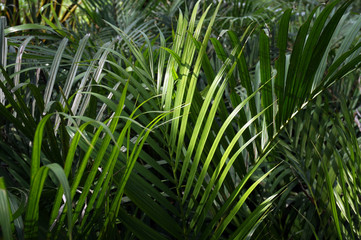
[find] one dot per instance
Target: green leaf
(265, 68)
(5, 212)
(26, 27)
(53, 72)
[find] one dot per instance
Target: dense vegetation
(233, 119)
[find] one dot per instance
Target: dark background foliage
(157, 119)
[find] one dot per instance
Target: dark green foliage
(180, 120)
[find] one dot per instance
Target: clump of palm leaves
(174, 135)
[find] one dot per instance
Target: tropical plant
(154, 137)
(51, 12)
